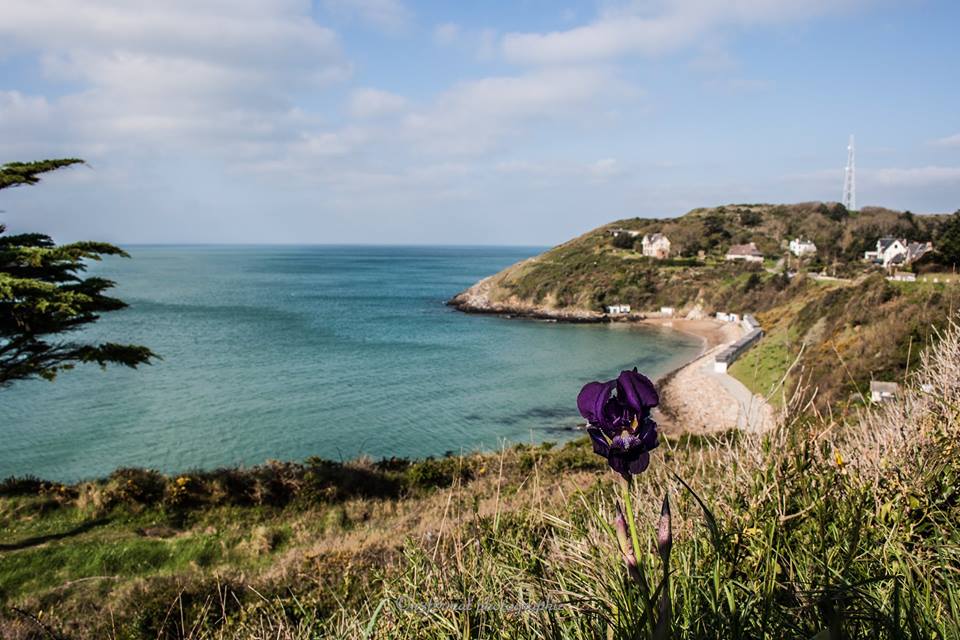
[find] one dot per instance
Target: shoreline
(694, 399)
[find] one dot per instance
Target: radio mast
(850, 179)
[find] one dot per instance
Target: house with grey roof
(744, 252)
(892, 251)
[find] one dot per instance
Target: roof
(748, 249)
(885, 242)
(917, 249)
(884, 387)
(655, 237)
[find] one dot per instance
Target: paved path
(697, 399)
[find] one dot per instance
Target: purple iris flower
(621, 428)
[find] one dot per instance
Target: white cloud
(474, 117)
(605, 168)
(390, 16)
(651, 28)
(374, 103)
(913, 177)
(172, 75)
(552, 172)
(949, 141)
(482, 44)
(446, 34)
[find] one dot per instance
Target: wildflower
(621, 428)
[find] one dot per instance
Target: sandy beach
(695, 398)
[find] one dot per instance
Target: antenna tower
(850, 179)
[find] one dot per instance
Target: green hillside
(846, 331)
(591, 271)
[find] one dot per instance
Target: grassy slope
(847, 527)
(836, 338)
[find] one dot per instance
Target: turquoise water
(288, 352)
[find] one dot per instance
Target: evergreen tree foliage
(623, 241)
(949, 241)
(44, 296)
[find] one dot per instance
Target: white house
(800, 247)
(889, 251)
(629, 232)
(656, 245)
(896, 251)
(745, 252)
(618, 309)
(883, 391)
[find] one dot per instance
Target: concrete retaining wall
(729, 355)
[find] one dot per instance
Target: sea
(287, 352)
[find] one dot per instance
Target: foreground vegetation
(821, 529)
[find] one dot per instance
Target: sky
(498, 122)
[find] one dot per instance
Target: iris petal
(619, 465)
(637, 391)
(592, 400)
(648, 434)
(639, 464)
(600, 446)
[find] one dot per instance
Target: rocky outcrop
(477, 299)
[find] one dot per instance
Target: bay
(285, 352)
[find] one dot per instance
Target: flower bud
(626, 548)
(665, 531)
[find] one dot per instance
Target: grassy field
(820, 529)
(764, 367)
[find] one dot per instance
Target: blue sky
(523, 122)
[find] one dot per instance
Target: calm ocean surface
(288, 352)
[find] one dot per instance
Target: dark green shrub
(623, 241)
(232, 486)
(134, 486)
(22, 486)
(183, 492)
(273, 487)
(575, 456)
(432, 473)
